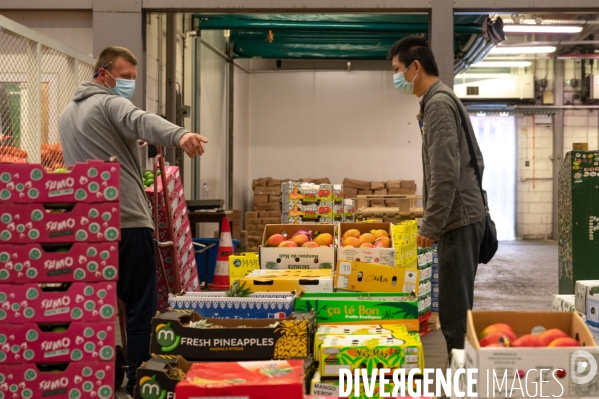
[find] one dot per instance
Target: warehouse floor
(522, 276)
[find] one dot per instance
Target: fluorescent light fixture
(483, 75)
(501, 64)
(529, 28)
(523, 50)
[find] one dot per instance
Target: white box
(584, 288)
(564, 303)
(458, 361)
(383, 256)
(592, 307)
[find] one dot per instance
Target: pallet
(423, 322)
(433, 322)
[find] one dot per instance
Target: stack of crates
(182, 237)
(59, 236)
(425, 263)
(435, 284)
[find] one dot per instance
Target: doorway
(496, 137)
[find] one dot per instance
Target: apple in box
(58, 380)
(251, 380)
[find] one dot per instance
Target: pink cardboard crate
(78, 380)
(81, 341)
(79, 302)
(28, 263)
(93, 181)
(32, 223)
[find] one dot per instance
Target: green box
(361, 308)
(578, 212)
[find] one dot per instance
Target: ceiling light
(523, 50)
(501, 64)
(529, 28)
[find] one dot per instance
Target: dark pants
(137, 288)
(457, 251)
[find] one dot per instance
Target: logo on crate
(166, 337)
(150, 389)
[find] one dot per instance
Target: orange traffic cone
(225, 249)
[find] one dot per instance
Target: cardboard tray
(385, 256)
(265, 305)
(372, 277)
(256, 342)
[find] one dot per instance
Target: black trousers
(457, 251)
(137, 288)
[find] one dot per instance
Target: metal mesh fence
(37, 81)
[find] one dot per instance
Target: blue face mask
(124, 87)
(401, 84)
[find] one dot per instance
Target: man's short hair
(411, 48)
(110, 54)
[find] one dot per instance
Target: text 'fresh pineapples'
(196, 338)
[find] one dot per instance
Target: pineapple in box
(293, 342)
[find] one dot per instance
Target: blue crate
(212, 254)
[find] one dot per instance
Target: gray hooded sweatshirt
(99, 124)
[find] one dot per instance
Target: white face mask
(401, 84)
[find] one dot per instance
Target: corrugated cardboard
(392, 184)
(380, 191)
(315, 280)
(357, 184)
(402, 191)
(408, 184)
(275, 214)
(274, 198)
(365, 192)
(350, 192)
(322, 180)
(271, 206)
(251, 215)
(274, 183)
(377, 185)
(371, 277)
(264, 214)
(385, 256)
(260, 199)
(276, 190)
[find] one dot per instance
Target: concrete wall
(333, 124)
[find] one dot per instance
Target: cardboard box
(264, 305)
(274, 198)
(296, 257)
(274, 183)
(561, 303)
(392, 184)
(271, 206)
(364, 329)
(314, 280)
(349, 308)
(78, 301)
(153, 380)
(408, 184)
(350, 192)
(248, 380)
(77, 341)
(69, 381)
(381, 191)
(385, 256)
(322, 180)
(365, 192)
(29, 263)
(275, 214)
(261, 182)
(251, 215)
(516, 361)
(93, 181)
(267, 190)
(457, 361)
(260, 199)
(584, 289)
(371, 277)
(357, 184)
(321, 386)
(242, 264)
(32, 223)
(592, 314)
(239, 339)
(350, 352)
(401, 191)
(377, 185)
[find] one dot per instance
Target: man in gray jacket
(100, 123)
(454, 212)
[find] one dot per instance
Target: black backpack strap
(473, 161)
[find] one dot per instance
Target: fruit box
(31, 223)
(585, 289)
(153, 380)
(371, 277)
(77, 380)
(296, 257)
(247, 380)
(563, 303)
(240, 265)
(320, 386)
(238, 339)
(364, 329)
(69, 302)
(263, 305)
(357, 308)
(350, 352)
(384, 256)
(315, 280)
(93, 181)
(26, 263)
(78, 341)
(518, 362)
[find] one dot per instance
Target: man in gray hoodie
(454, 211)
(100, 123)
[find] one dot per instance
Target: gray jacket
(98, 124)
(451, 194)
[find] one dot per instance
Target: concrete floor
(522, 276)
